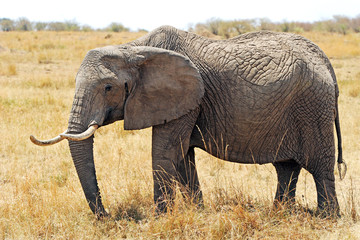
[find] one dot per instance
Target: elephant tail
(338, 133)
(337, 124)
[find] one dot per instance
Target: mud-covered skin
(258, 98)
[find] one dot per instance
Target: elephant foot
(198, 200)
(163, 205)
(99, 211)
(200, 204)
(328, 209)
(284, 203)
(102, 215)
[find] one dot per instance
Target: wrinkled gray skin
(257, 98)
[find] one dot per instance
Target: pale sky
(149, 14)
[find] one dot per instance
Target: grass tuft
(11, 70)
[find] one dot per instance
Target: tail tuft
(342, 173)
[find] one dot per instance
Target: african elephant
(261, 97)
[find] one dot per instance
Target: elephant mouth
(108, 116)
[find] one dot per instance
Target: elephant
(261, 97)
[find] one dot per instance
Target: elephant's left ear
(169, 86)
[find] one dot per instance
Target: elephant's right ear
(169, 86)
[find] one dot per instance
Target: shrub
(23, 24)
(117, 27)
(7, 25)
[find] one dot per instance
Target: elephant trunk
(83, 158)
(81, 148)
(81, 141)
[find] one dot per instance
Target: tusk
(82, 136)
(47, 142)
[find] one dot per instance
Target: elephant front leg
(170, 145)
(168, 173)
(189, 180)
(164, 175)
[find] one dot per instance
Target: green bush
(117, 27)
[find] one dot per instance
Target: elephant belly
(249, 143)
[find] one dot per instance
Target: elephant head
(144, 86)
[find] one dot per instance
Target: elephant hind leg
(326, 195)
(188, 178)
(323, 174)
(287, 173)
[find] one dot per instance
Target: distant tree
(202, 30)
(71, 25)
(117, 27)
(7, 25)
(286, 26)
(355, 24)
(213, 25)
(319, 26)
(23, 24)
(57, 26)
(342, 24)
(339, 24)
(86, 28)
(225, 29)
(40, 26)
(142, 30)
(243, 26)
(230, 29)
(266, 24)
(305, 26)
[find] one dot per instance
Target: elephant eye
(108, 87)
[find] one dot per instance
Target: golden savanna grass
(40, 194)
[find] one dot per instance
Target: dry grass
(40, 193)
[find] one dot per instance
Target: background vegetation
(23, 24)
(227, 29)
(217, 27)
(41, 197)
